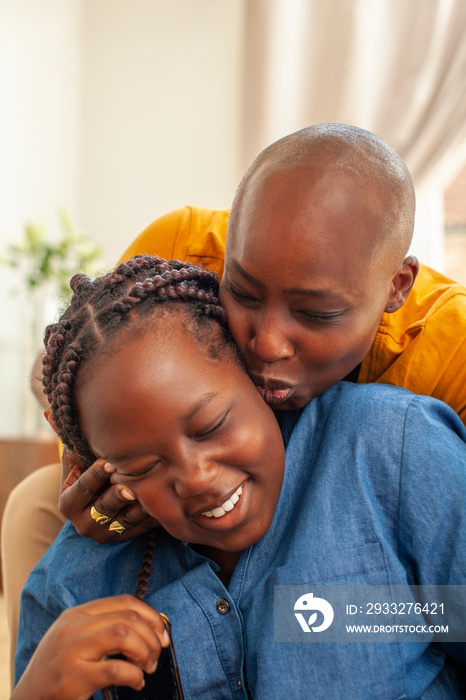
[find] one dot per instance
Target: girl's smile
(229, 515)
(226, 507)
(188, 432)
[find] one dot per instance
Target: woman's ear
(48, 418)
(402, 284)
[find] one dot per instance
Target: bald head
(314, 256)
(371, 169)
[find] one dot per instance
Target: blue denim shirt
(374, 493)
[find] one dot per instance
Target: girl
(141, 372)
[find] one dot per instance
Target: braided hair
(102, 308)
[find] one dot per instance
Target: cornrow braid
(102, 308)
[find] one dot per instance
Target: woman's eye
(240, 296)
(320, 318)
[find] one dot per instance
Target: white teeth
(225, 507)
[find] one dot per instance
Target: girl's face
(189, 434)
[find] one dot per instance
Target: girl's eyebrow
(203, 401)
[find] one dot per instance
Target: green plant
(41, 261)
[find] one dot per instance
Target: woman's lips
(274, 395)
(272, 389)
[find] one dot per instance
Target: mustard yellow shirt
(190, 234)
(422, 346)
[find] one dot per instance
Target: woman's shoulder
(376, 402)
(385, 420)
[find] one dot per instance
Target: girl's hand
(83, 489)
(70, 663)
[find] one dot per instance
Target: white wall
(161, 111)
(40, 93)
(40, 48)
(428, 243)
(119, 110)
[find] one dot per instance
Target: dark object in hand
(163, 684)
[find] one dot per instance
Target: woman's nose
(270, 340)
(194, 478)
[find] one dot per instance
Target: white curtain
(395, 67)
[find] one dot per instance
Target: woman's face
(305, 284)
(188, 433)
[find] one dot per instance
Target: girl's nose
(194, 478)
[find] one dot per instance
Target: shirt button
(240, 684)
(223, 606)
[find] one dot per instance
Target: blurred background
(114, 112)
(120, 111)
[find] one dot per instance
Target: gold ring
(116, 527)
(99, 518)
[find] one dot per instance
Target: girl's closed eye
(138, 472)
(213, 429)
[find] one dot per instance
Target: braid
(172, 286)
(146, 567)
(102, 308)
(111, 692)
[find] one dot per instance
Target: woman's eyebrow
(293, 291)
(235, 264)
(316, 293)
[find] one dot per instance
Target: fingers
(124, 603)
(126, 523)
(122, 625)
(81, 639)
(119, 503)
(116, 503)
(84, 490)
(116, 672)
(114, 499)
(123, 636)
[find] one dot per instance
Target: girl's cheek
(257, 441)
(152, 500)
